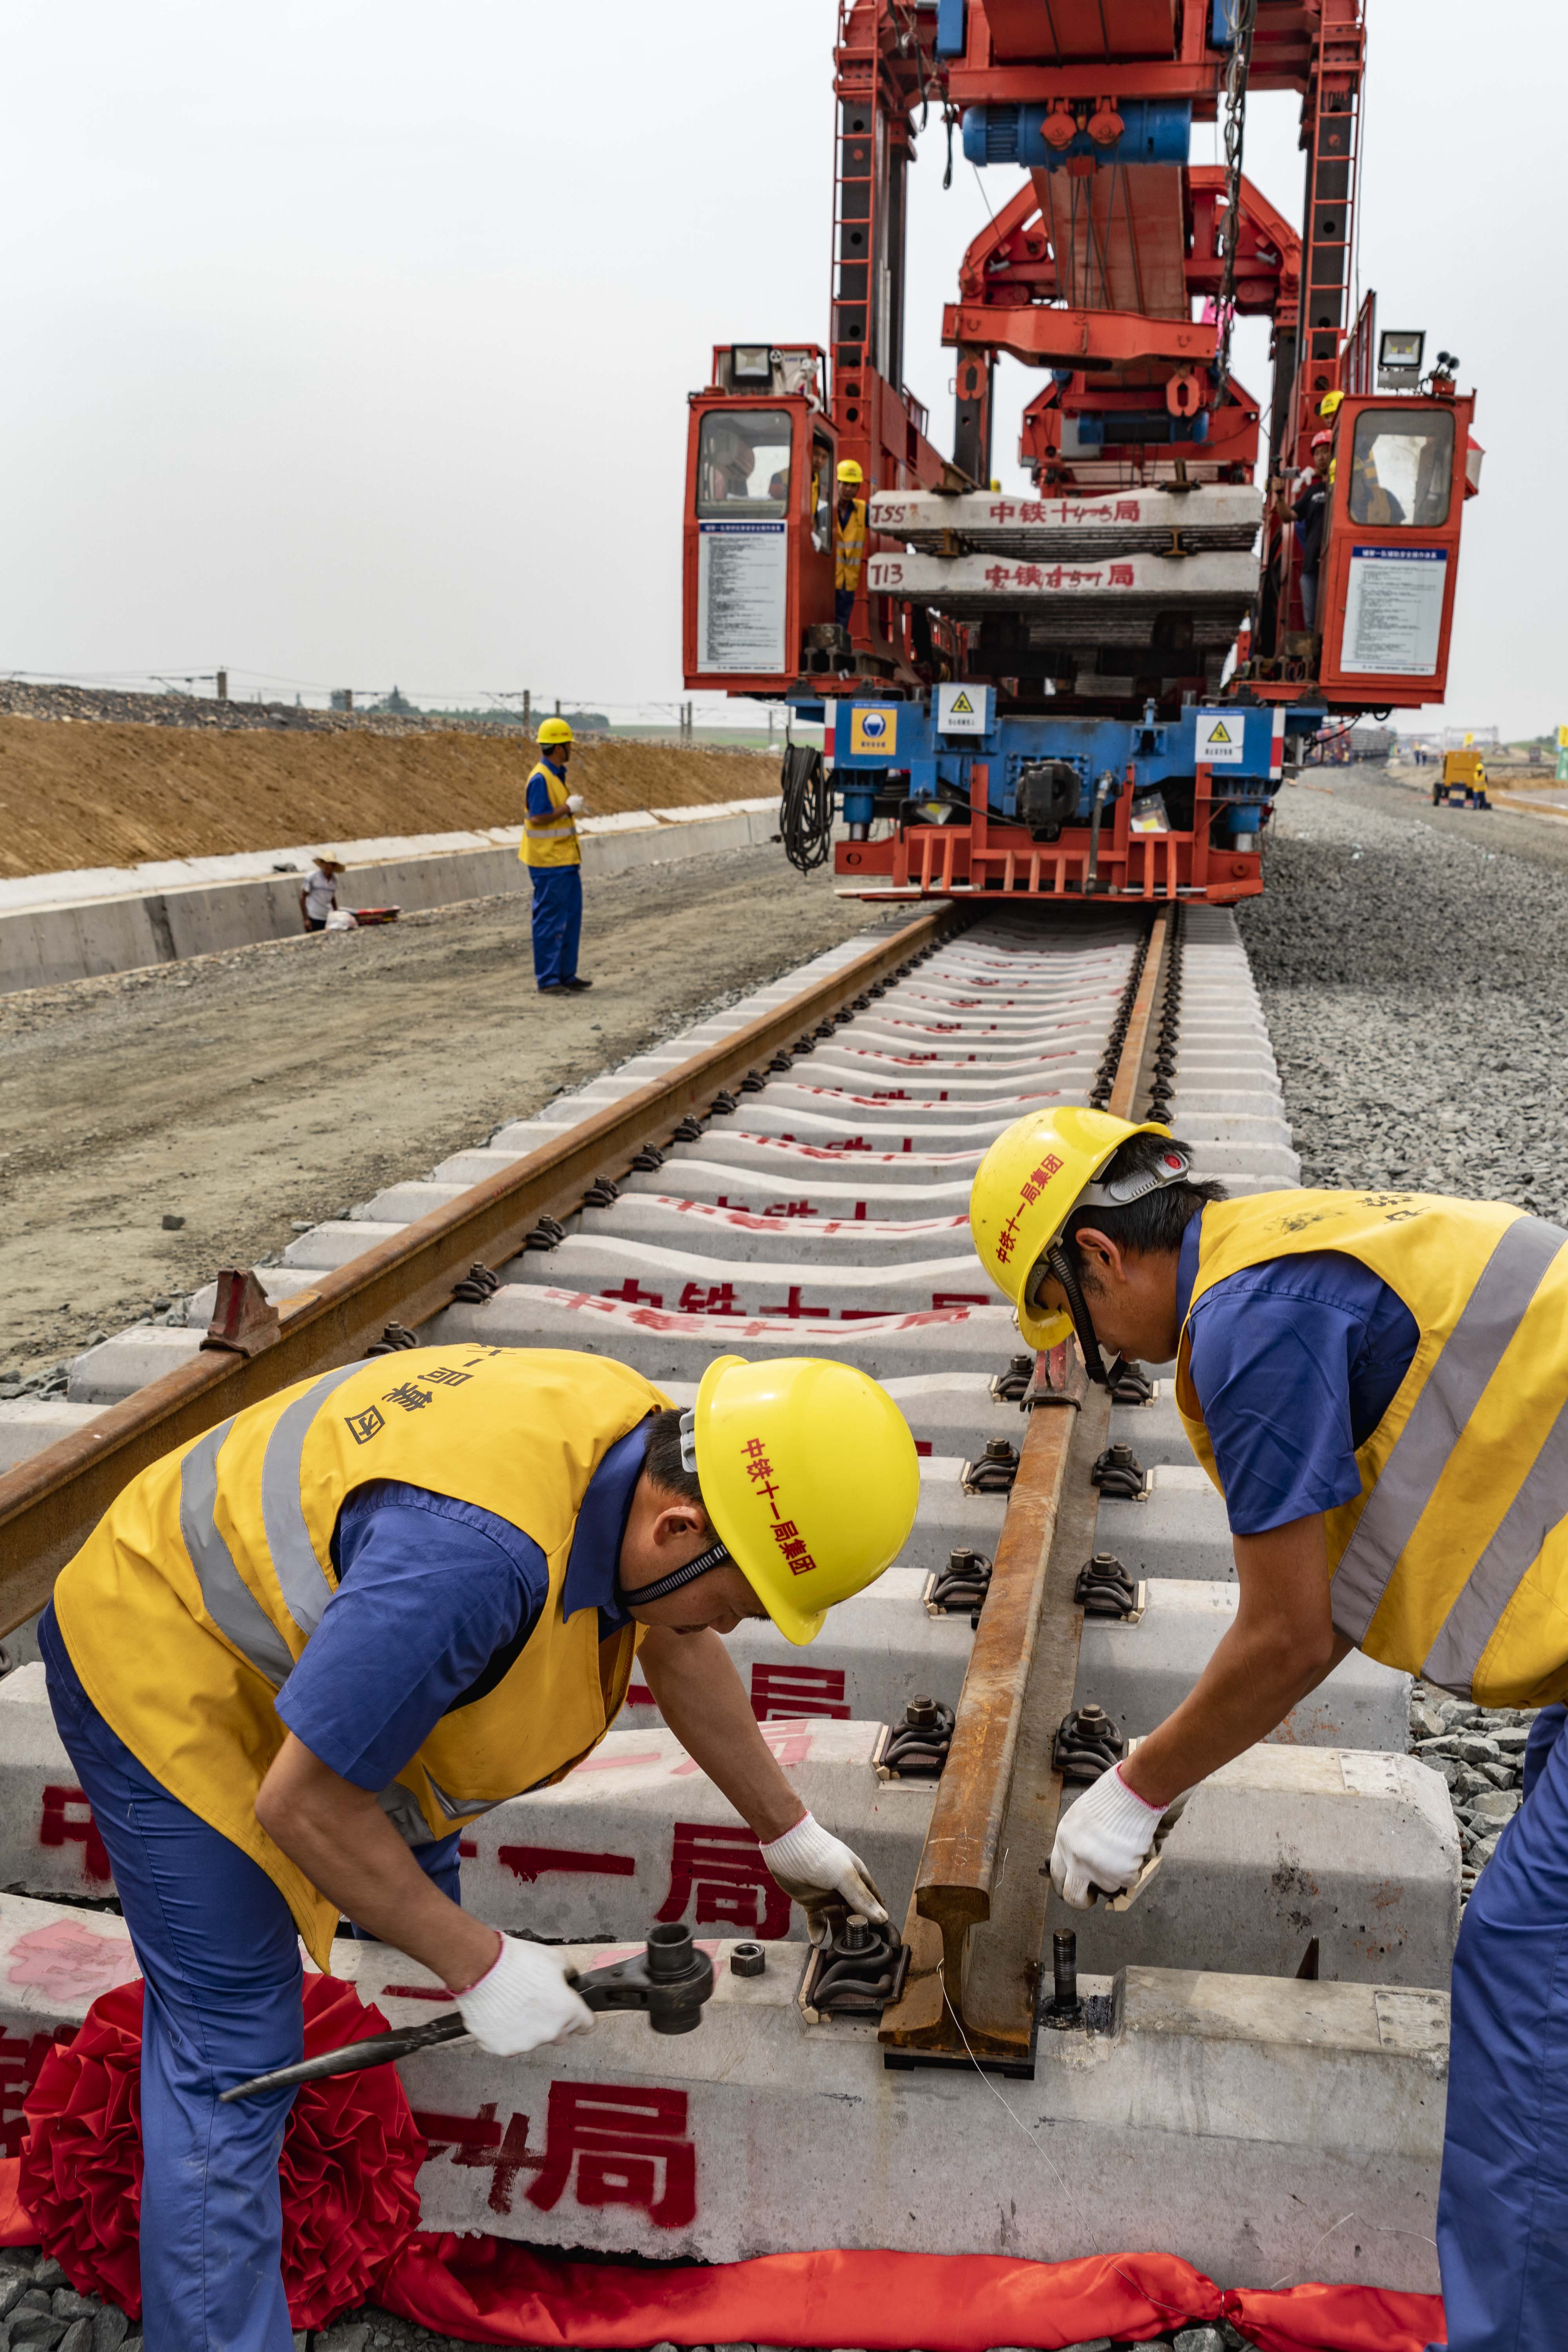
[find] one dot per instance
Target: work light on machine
(750, 364)
(1399, 356)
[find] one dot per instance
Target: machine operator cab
(1401, 470)
(758, 519)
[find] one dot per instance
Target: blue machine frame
(880, 742)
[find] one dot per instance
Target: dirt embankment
(84, 794)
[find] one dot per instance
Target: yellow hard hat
(809, 1473)
(1331, 403)
(1035, 1175)
(848, 471)
(555, 731)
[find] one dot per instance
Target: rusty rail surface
(49, 1504)
(970, 1993)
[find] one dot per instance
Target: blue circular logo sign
(873, 725)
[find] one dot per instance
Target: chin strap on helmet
(714, 1556)
(1066, 1274)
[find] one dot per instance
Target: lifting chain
(1243, 22)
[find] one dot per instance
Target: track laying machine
(1093, 690)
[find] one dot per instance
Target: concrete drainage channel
(1257, 2071)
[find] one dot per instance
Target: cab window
(1402, 468)
(743, 463)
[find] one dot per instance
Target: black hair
(1151, 1226)
(661, 1458)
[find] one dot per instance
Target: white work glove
(522, 2000)
(816, 1869)
(575, 802)
(1102, 1840)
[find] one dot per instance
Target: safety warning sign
(874, 734)
(1220, 738)
(963, 710)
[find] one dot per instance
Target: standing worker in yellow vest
(1377, 1383)
(849, 541)
(548, 849)
(297, 1657)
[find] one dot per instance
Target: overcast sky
(350, 343)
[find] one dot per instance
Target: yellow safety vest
(1452, 1561)
(191, 1603)
(549, 840)
(848, 546)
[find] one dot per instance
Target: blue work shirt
(538, 791)
(435, 1599)
(1295, 1363)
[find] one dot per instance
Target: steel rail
(49, 1504)
(968, 1993)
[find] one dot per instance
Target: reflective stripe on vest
(849, 545)
(228, 1599)
(225, 1596)
(1452, 1561)
(1471, 1355)
(306, 1590)
(1540, 1504)
(560, 825)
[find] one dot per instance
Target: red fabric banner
(1336, 2319)
(492, 2291)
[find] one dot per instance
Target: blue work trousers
(557, 922)
(1502, 2210)
(219, 1951)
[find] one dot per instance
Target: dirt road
(244, 1090)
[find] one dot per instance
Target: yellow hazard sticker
(1219, 739)
(874, 734)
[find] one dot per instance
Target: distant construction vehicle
(1092, 691)
(1463, 783)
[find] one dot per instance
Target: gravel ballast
(1414, 977)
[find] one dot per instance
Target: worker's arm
(1280, 1647)
(346, 1846)
(702, 1698)
(704, 1702)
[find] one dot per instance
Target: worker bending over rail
(549, 848)
(298, 1657)
(1377, 1383)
